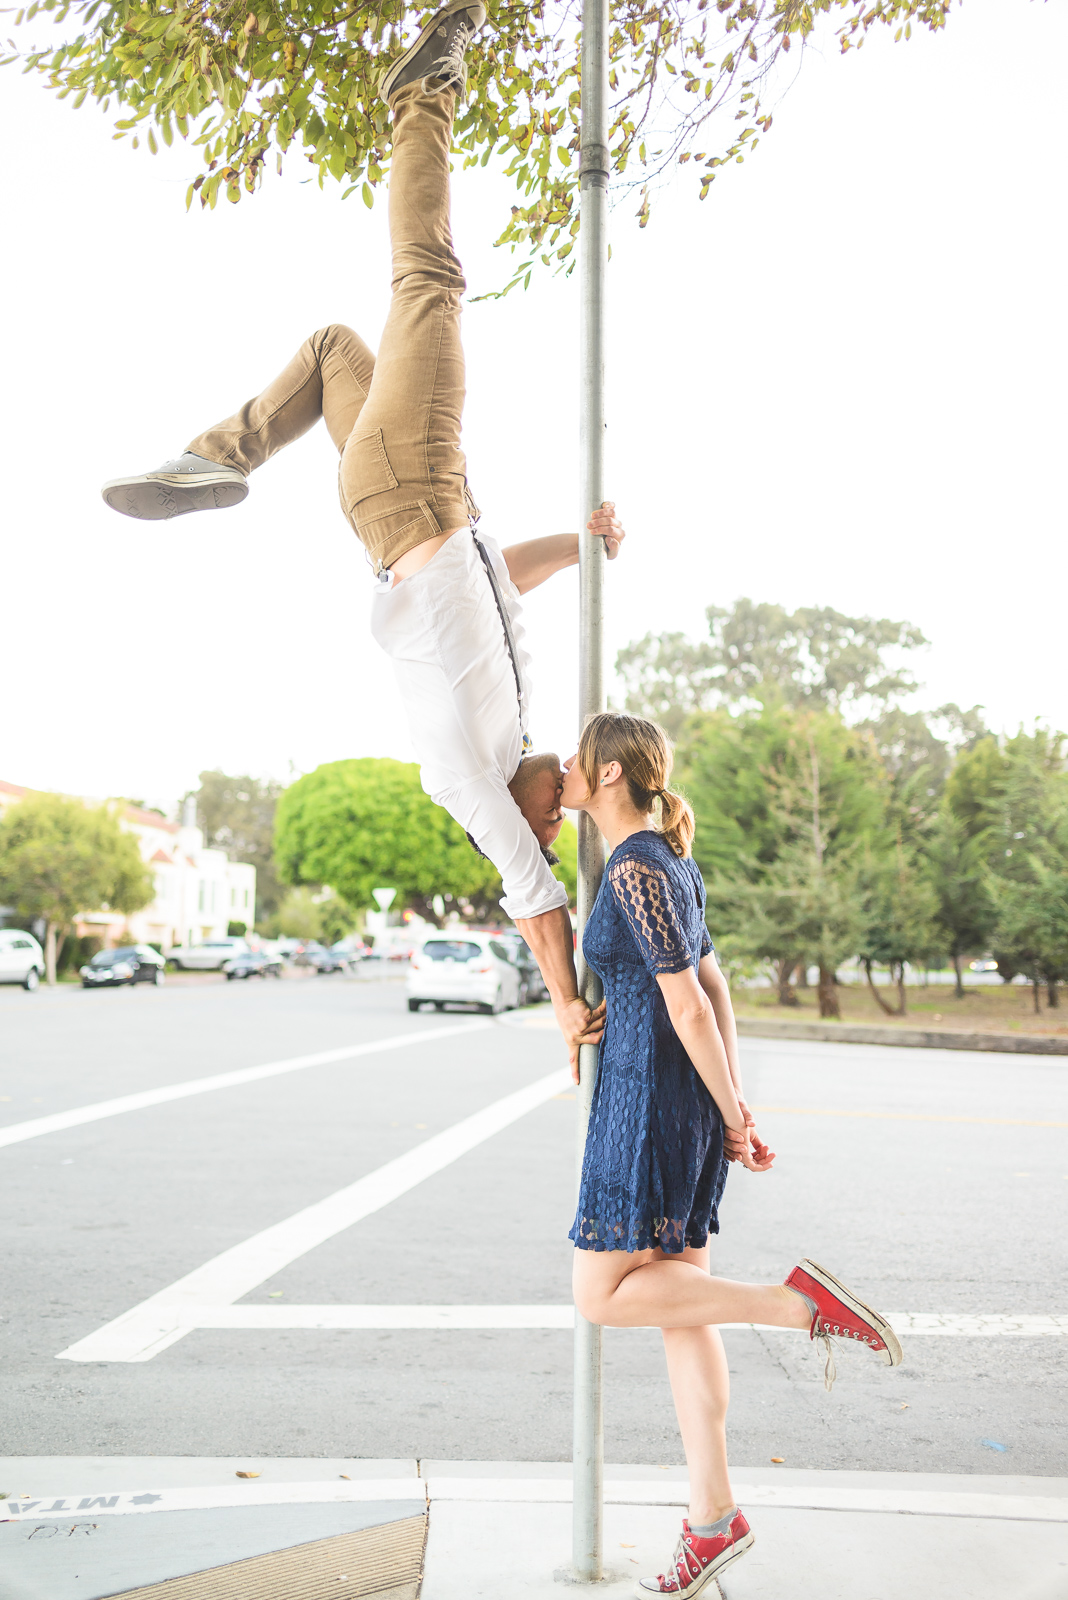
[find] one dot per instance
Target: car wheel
(32, 980)
(230, 976)
(498, 1004)
(158, 978)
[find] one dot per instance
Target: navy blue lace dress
(653, 1171)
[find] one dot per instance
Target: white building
(199, 892)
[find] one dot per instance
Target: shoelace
(451, 67)
(681, 1557)
(821, 1332)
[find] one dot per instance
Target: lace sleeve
(643, 895)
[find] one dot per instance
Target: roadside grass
(1005, 1008)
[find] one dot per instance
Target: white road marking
(675, 1492)
(249, 1318)
(207, 1497)
(141, 1333)
(18, 1131)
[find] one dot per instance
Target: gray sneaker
(187, 484)
(437, 56)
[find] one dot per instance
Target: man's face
(541, 805)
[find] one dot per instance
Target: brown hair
(643, 751)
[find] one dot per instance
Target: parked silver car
(472, 967)
(210, 956)
(21, 958)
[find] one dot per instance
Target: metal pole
(588, 1450)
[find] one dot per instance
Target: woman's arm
(715, 986)
(693, 1017)
(535, 560)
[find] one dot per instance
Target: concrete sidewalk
(183, 1528)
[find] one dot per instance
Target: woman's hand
(747, 1147)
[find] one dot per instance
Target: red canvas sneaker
(840, 1313)
(698, 1561)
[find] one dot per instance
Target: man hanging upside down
(446, 603)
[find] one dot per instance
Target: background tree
(1025, 808)
(956, 863)
(357, 825)
(237, 816)
(900, 911)
(783, 881)
(1032, 924)
(59, 857)
(244, 79)
(758, 654)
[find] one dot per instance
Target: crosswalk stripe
(141, 1333)
(33, 1129)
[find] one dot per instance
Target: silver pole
(588, 1450)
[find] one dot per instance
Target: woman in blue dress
(668, 1117)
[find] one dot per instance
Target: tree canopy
(237, 816)
(364, 824)
(248, 80)
(814, 656)
(59, 857)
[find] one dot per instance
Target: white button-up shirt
(443, 632)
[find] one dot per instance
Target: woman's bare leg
(700, 1386)
(646, 1289)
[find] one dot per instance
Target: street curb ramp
(384, 1561)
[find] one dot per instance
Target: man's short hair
(528, 769)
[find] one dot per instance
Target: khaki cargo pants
(395, 419)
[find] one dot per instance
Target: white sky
(839, 381)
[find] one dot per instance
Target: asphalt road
(918, 1214)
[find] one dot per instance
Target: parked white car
(209, 956)
(21, 958)
(464, 969)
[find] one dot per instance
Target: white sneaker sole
(715, 1570)
(893, 1354)
(478, 18)
(158, 497)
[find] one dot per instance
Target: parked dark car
(326, 960)
(132, 963)
(254, 964)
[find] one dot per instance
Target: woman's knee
(591, 1302)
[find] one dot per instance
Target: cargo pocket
(365, 469)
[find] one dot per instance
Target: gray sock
(710, 1530)
(813, 1308)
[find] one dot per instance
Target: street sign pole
(588, 1450)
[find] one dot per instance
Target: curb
(1032, 1044)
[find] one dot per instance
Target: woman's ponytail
(676, 822)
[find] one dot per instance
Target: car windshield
(108, 958)
(451, 950)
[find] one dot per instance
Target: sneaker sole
(409, 55)
(158, 499)
(717, 1568)
(879, 1323)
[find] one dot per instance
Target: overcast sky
(838, 381)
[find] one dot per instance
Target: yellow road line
(908, 1116)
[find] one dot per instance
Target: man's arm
(550, 939)
(530, 563)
